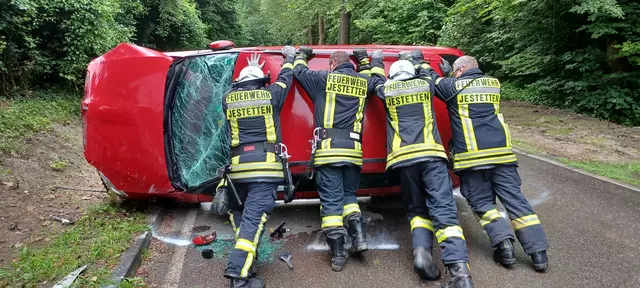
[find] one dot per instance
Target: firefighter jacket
(253, 121)
(480, 135)
(339, 99)
(412, 134)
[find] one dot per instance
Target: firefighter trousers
(427, 193)
(337, 186)
(248, 223)
(481, 187)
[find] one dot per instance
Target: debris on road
(278, 232)
(70, 278)
(62, 220)
(286, 257)
(14, 227)
(207, 253)
(205, 239)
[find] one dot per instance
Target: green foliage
(626, 172)
(97, 239)
(575, 54)
(21, 118)
(58, 165)
(171, 25)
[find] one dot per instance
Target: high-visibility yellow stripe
(458, 164)
(419, 222)
(428, 123)
(366, 72)
(413, 155)
(263, 220)
(233, 223)
(332, 221)
(507, 132)
(489, 216)
(245, 245)
(271, 157)
(247, 265)
(235, 160)
(235, 132)
(525, 221)
(350, 208)
(300, 62)
(338, 152)
(284, 86)
(415, 147)
(286, 66)
(257, 165)
(438, 81)
(325, 143)
(330, 160)
(329, 107)
(377, 70)
(483, 153)
(243, 175)
(271, 128)
(393, 113)
(467, 128)
(449, 232)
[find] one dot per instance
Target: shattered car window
(199, 138)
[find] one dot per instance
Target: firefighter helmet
(250, 73)
(401, 69)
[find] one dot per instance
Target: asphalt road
(593, 227)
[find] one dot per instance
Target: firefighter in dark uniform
(253, 117)
(485, 162)
(415, 152)
(339, 97)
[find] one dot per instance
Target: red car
(152, 124)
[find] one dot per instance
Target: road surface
(593, 228)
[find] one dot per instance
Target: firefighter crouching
(339, 98)
(253, 116)
(485, 162)
(415, 152)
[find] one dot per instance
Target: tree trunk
(321, 31)
(310, 35)
(345, 24)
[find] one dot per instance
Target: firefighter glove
(446, 68)
(288, 51)
(377, 55)
(417, 56)
(405, 55)
(305, 53)
(361, 56)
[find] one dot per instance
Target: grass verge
(97, 239)
(629, 173)
(20, 118)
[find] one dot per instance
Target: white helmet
(250, 73)
(401, 69)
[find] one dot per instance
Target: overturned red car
(152, 120)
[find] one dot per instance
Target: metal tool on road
(68, 280)
(286, 257)
(278, 232)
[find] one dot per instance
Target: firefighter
(252, 111)
(339, 96)
(485, 162)
(415, 152)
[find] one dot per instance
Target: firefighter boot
(355, 227)
(505, 254)
(460, 276)
(540, 262)
(423, 264)
(255, 282)
(338, 253)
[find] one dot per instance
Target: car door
(122, 114)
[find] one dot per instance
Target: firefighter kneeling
(415, 152)
(253, 119)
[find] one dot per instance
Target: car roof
(328, 48)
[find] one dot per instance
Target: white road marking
(175, 268)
